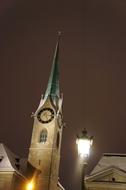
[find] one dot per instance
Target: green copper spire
(53, 83)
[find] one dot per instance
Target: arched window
(43, 136)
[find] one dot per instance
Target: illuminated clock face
(45, 115)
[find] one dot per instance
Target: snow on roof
(111, 159)
(59, 185)
(5, 164)
(9, 161)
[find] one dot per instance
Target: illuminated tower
(44, 152)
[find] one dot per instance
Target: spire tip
(59, 35)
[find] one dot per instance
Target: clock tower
(44, 152)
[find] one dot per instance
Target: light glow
(30, 186)
(84, 147)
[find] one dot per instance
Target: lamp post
(84, 143)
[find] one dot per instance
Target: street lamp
(84, 143)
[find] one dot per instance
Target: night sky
(92, 72)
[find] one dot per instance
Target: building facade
(42, 164)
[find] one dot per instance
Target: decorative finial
(84, 132)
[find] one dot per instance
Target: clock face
(45, 115)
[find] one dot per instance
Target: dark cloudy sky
(92, 70)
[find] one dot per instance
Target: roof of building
(110, 159)
(60, 186)
(9, 162)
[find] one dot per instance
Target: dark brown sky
(93, 73)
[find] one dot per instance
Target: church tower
(44, 152)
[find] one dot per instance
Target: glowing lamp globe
(84, 143)
(30, 186)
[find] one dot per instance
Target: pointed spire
(53, 83)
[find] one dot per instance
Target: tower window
(43, 136)
(58, 140)
(39, 162)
